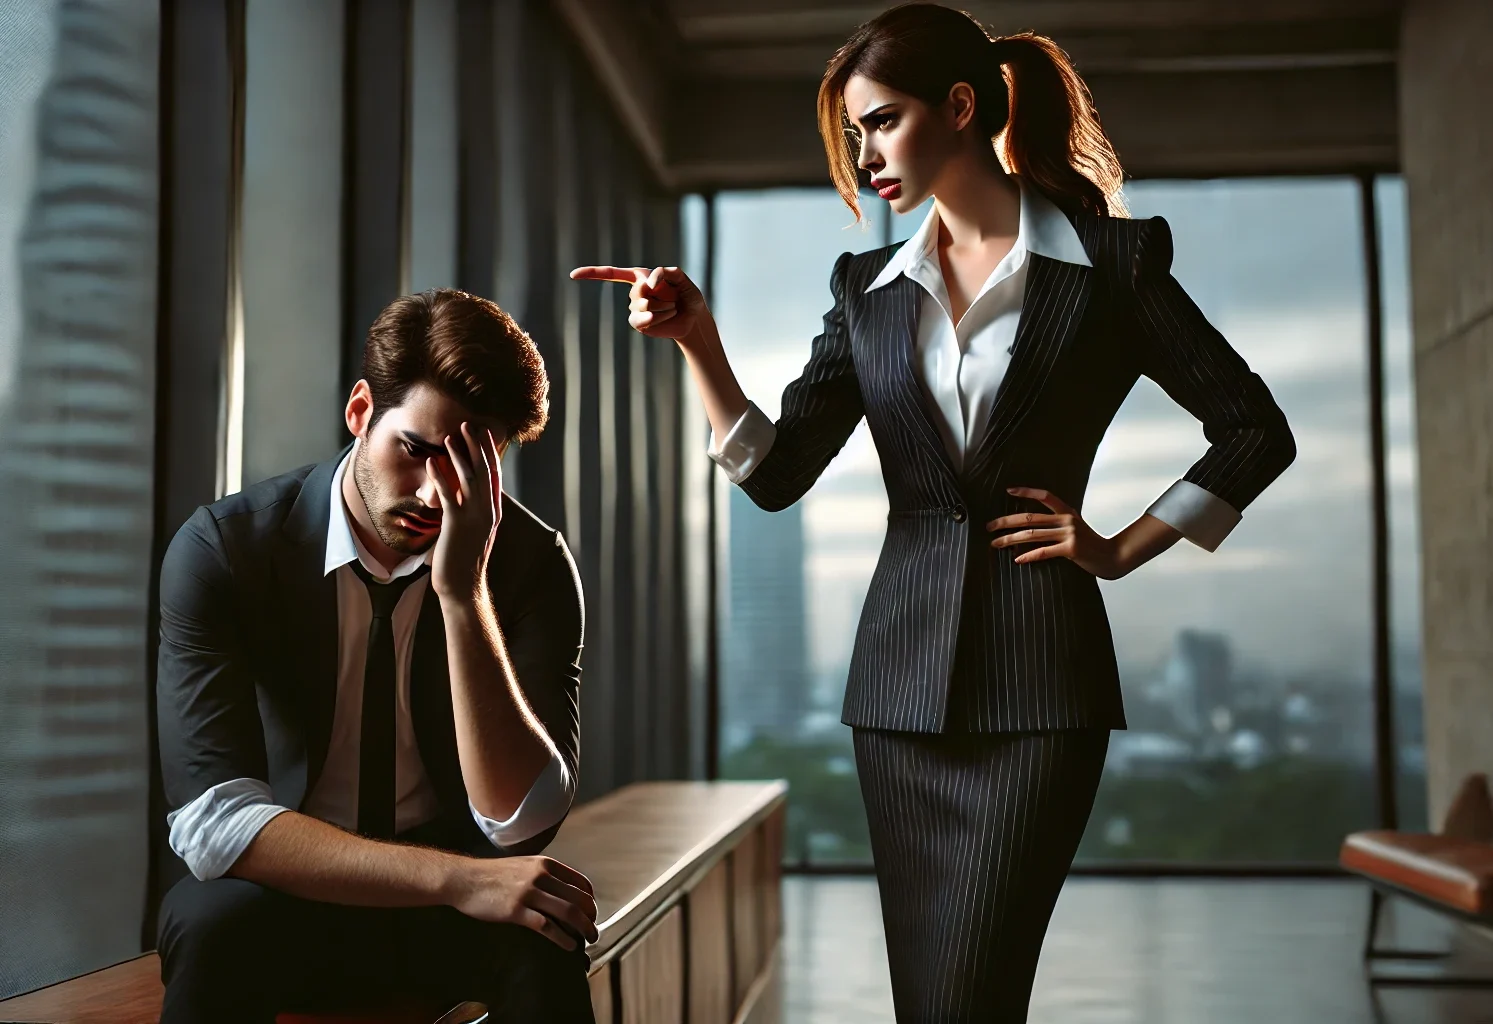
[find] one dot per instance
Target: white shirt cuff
(746, 444)
(546, 802)
(212, 831)
(1199, 515)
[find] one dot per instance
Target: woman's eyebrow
(874, 111)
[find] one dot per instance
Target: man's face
(389, 466)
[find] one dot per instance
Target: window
(78, 222)
(1246, 672)
(791, 583)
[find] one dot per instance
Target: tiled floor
(1147, 951)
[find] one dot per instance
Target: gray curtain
(571, 188)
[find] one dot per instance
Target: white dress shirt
(960, 366)
(213, 830)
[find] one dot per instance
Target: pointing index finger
(621, 275)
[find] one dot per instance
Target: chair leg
(1372, 951)
(1376, 902)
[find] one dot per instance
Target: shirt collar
(1043, 229)
(343, 545)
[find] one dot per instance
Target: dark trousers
(973, 835)
(233, 952)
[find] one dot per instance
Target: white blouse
(960, 366)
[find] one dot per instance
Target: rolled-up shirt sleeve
(212, 831)
(745, 445)
(546, 803)
(1199, 515)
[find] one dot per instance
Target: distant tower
(764, 644)
(1199, 676)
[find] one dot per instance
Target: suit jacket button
(958, 514)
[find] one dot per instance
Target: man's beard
(381, 516)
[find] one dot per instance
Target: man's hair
(465, 347)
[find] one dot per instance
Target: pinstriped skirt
(973, 835)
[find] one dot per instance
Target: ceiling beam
(722, 21)
(629, 57)
(1358, 42)
(1198, 124)
(720, 93)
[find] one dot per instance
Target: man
(368, 703)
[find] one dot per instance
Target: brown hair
(465, 347)
(1028, 99)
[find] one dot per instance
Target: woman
(988, 354)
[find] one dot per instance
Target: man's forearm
(501, 745)
(306, 857)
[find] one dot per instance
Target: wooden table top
(641, 843)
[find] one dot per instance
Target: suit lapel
(1052, 307)
(308, 606)
(903, 302)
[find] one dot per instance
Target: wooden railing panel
(772, 880)
(709, 922)
(600, 980)
(652, 972)
(746, 912)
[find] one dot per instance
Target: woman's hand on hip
(1061, 533)
(663, 302)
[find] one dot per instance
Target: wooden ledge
(646, 843)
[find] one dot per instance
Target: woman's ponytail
(1028, 96)
(1052, 135)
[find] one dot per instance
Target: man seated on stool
(368, 701)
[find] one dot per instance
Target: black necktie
(376, 744)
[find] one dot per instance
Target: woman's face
(905, 143)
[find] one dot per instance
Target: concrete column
(1446, 133)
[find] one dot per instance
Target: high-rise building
(764, 649)
(1198, 677)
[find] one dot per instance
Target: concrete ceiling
(720, 93)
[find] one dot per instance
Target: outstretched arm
(774, 463)
(665, 303)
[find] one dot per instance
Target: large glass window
(792, 582)
(78, 222)
(1246, 671)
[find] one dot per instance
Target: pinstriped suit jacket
(1022, 647)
